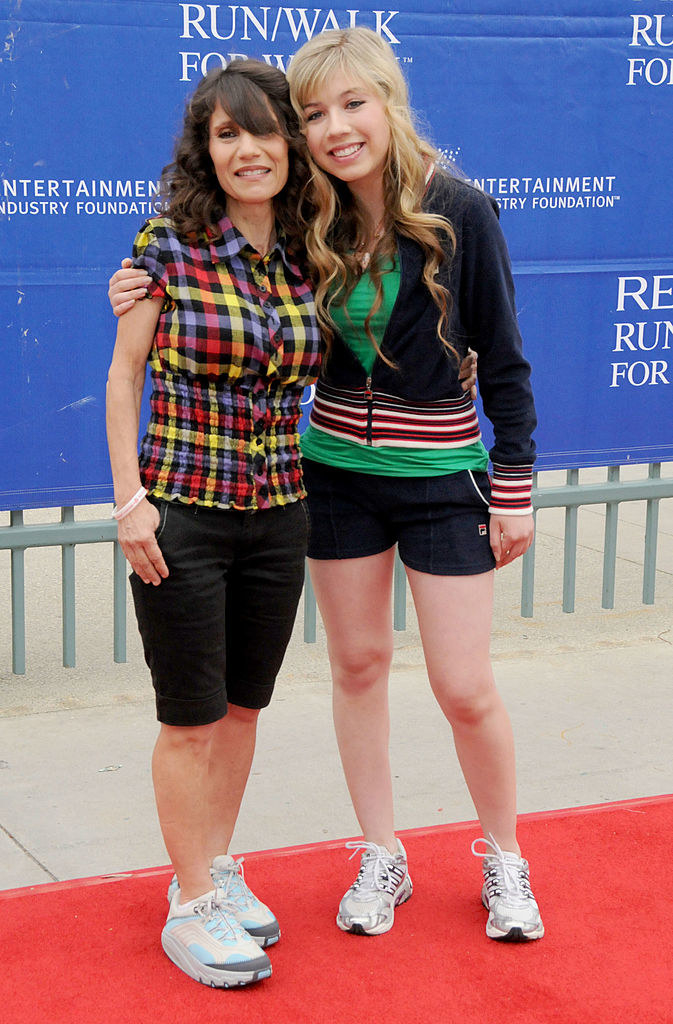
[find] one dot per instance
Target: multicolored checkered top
(236, 344)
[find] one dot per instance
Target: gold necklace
(364, 256)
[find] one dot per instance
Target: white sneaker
(383, 882)
(250, 912)
(513, 914)
(207, 943)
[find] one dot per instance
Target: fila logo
(482, 529)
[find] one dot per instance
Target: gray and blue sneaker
(208, 944)
(513, 914)
(251, 913)
(383, 882)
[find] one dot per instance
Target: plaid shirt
(236, 343)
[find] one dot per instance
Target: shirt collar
(231, 242)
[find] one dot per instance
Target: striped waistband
(378, 419)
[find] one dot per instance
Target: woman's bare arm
(126, 378)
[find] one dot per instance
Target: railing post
(18, 602)
(310, 611)
(570, 547)
(528, 581)
(399, 595)
(528, 570)
(119, 602)
(610, 545)
(651, 527)
(68, 593)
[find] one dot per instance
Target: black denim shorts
(216, 629)
(439, 523)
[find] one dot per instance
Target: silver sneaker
(513, 914)
(383, 882)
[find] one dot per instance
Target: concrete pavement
(589, 695)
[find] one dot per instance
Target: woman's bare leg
(454, 615)
(354, 597)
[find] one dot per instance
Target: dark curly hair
(256, 97)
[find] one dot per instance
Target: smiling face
(251, 169)
(347, 132)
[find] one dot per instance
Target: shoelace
(377, 870)
(503, 875)
(232, 885)
(216, 920)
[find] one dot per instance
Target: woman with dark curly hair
(211, 514)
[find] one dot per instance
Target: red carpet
(88, 952)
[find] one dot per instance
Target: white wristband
(120, 513)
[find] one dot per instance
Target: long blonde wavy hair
(334, 227)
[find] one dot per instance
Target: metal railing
(68, 533)
(610, 493)
(18, 537)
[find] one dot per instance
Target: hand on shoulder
(126, 287)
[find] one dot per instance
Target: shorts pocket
(481, 486)
(163, 516)
(307, 514)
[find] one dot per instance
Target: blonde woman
(410, 267)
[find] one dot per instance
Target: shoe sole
(355, 928)
(262, 940)
(215, 977)
(515, 934)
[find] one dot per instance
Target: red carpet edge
(333, 844)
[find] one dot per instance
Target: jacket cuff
(511, 488)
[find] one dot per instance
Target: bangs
(309, 73)
(314, 74)
(249, 107)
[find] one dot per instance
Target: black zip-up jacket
(419, 400)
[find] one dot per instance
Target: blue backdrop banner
(561, 110)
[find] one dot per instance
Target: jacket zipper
(369, 394)
(369, 397)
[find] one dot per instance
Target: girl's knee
(469, 706)
(357, 671)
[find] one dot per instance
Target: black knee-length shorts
(216, 629)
